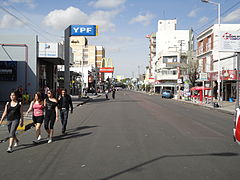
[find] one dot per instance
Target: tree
(191, 68)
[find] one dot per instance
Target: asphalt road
(134, 137)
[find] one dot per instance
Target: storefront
(50, 55)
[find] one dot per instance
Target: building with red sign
(215, 46)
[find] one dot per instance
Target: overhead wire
(29, 23)
(212, 20)
(25, 23)
(37, 26)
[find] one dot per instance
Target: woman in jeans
(37, 107)
(14, 112)
(51, 115)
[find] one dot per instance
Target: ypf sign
(83, 30)
(74, 30)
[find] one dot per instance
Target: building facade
(211, 59)
(172, 46)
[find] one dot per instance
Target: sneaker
(49, 141)
(16, 143)
(9, 149)
(39, 138)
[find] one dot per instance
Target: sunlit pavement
(135, 136)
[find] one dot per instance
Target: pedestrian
(14, 113)
(106, 93)
(64, 102)
(113, 92)
(51, 115)
(38, 115)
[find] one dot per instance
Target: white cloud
(61, 19)
(193, 13)
(233, 16)
(8, 21)
(29, 3)
(144, 19)
(107, 3)
(203, 20)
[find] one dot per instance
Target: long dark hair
(39, 98)
(15, 93)
(52, 92)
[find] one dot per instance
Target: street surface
(134, 137)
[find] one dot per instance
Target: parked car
(167, 94)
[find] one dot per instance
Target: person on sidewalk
(14, 112)
(38, 115)
(113, 92)
(51, 115)
(106, 93)
(64, 102)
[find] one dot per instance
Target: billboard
(8, 70)
(83, 30)
(48, 50)
(230, 41)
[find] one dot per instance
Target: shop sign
(230, 41)
(107, 70)
(49, 50)
(203, 76)
(179, 81)
(224, 75)
(84, 30)
(8, 70)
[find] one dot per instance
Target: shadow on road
(71, 133)
(112, 101)
(80, 128)
(224, 154)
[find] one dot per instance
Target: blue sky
(123, 24)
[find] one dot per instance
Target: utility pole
(238, 68)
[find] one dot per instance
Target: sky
(123, 24)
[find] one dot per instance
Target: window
(169, 59)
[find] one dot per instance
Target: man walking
(65, 101)
(113, 92)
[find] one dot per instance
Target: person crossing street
(65, 103)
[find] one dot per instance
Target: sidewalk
(28, 123)
(225, 106)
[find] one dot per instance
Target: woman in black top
(14, 112)
(51, 114)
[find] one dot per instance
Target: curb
(208, 107)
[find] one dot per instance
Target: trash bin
(231, 100)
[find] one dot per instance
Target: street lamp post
(219, 22)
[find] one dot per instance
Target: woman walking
(51, 115)
(14, 112)
(37, 107)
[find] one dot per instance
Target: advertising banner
(224, 75)
(230, 41)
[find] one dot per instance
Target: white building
(208, 55)
(150, 69)
(171, 52)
